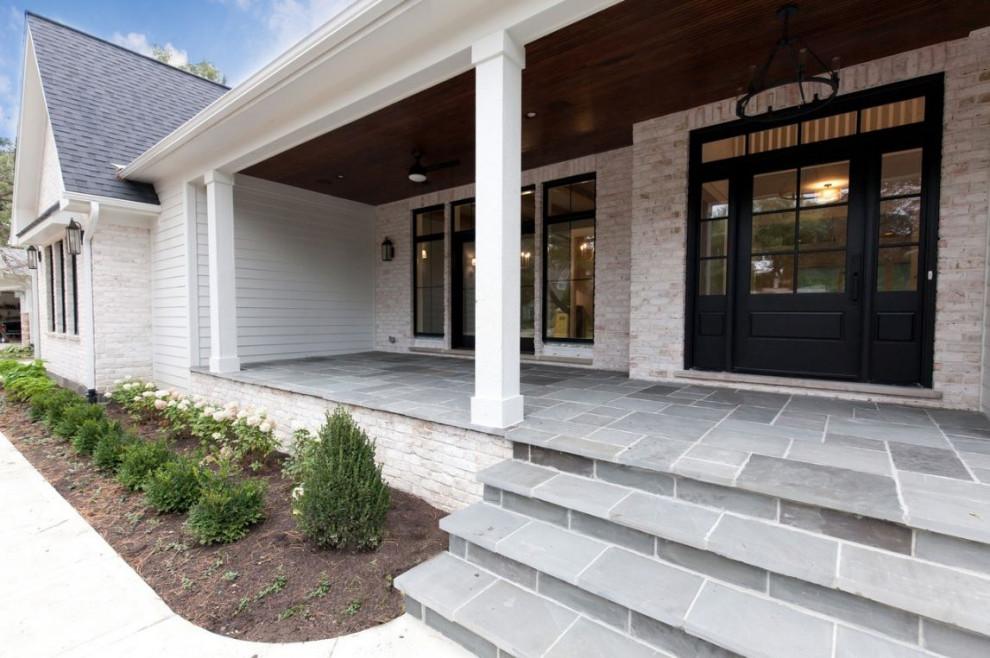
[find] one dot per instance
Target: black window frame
(50, 257)
(61, 280)
(417, 240)
(560, 219)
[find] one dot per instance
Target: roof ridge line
(119, 47)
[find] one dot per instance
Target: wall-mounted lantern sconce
(32, 257)
(73, 238)
(388, 250)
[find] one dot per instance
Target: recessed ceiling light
(340, 176)
(531, 115)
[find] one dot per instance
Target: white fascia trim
(73, 204)
(80, 202)
(322, 43)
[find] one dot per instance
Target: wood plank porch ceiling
(591, 81)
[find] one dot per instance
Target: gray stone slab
(563, 411)
(585, 395)
(830, 454)
(709, 471)
(690, 411)
(413, 607)
(827, 406)
(584, 602)
(952, 642)
(718, 455)
(551, 549)
(613, 533)
(951, 507)
(593, 420)
(749, 398)
(457, 546)
(977, 446)
(917, 586)
(648, 405)
(654, 452)
(767, 431)
(897, 414)
(683, 429)
(535, 508)
(847, 607)
(585, 447)
(775, 547)
(952, 551)
(954, 418)
(615, 437)
(673, 640)
(562, 461)
(477, 645)
(524, 623)
(756, 626)
(502, 566)
(853, 527)
(516, 476)
(932, 461)
(760, 444)
(665, 517)
(581, 494)
(754, 414)
(727, 498)
(483, 524)
(642, 584)
(881, 431)
(838, 488)
(638, 478)
(713, 565)
(444, 583)
(854, 642)
(801, 420)
(855, 442)
(587, 639)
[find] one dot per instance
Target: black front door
(813, 244)
(799, 279)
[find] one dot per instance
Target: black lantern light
(388, 250)
(790, 54)
(73, 238)
(32, 257)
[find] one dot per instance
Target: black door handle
(855, 287)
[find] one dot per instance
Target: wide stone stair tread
(949, 594)
(629, 595)
(510, 620)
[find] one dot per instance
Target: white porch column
(223, 290)
(498, 62)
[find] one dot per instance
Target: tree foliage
(6, 187)
(204, 68)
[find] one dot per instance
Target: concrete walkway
(65, 592)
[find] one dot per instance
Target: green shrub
(71, 418)
(110, 446)
(140, 459)
(88, 435)
(174, 487)
(226, 508)
(343, 499)
(17, 352)
(51, 401)
(23, 389)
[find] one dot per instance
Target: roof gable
(107, 105)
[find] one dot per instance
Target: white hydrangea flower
(137, 398)
(159, 404)
(297, 492)
(265, 426)
(148, 394)
(149, 386)
(217, 436)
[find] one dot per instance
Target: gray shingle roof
(109, 105)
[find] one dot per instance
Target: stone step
(748, 541)
(496, 618)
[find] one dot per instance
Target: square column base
(225, 364)
(501, 413)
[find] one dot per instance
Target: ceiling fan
(418, 171)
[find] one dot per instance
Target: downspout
(89, 307)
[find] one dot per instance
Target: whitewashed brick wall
(394, 283)
(62, 353)
(435, 462)
(659, 211)
(122, 283)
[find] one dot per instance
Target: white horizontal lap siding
(305, 272)
(169, 291)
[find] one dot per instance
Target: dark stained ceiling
(590, 82)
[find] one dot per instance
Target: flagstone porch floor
(928, 468)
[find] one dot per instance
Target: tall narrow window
(714, 227)
(428, 255)
(60, 283)
(71, 292)
(900, 221)
(569, 266)
(50, 284)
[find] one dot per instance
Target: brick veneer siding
(435, 462)
(659, 216)
(393, 280)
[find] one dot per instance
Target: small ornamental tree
(343, 499)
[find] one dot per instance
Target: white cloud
(291, 20)
(138, 42)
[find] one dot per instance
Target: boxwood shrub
(174, 487)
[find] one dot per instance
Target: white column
(498, 62)
(223, 289)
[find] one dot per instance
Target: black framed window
(72, 290)
(50, 284)
(60, 250)
(428, 257)
(569, 264)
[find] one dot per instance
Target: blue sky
(239, 36)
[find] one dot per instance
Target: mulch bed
(222, 588)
